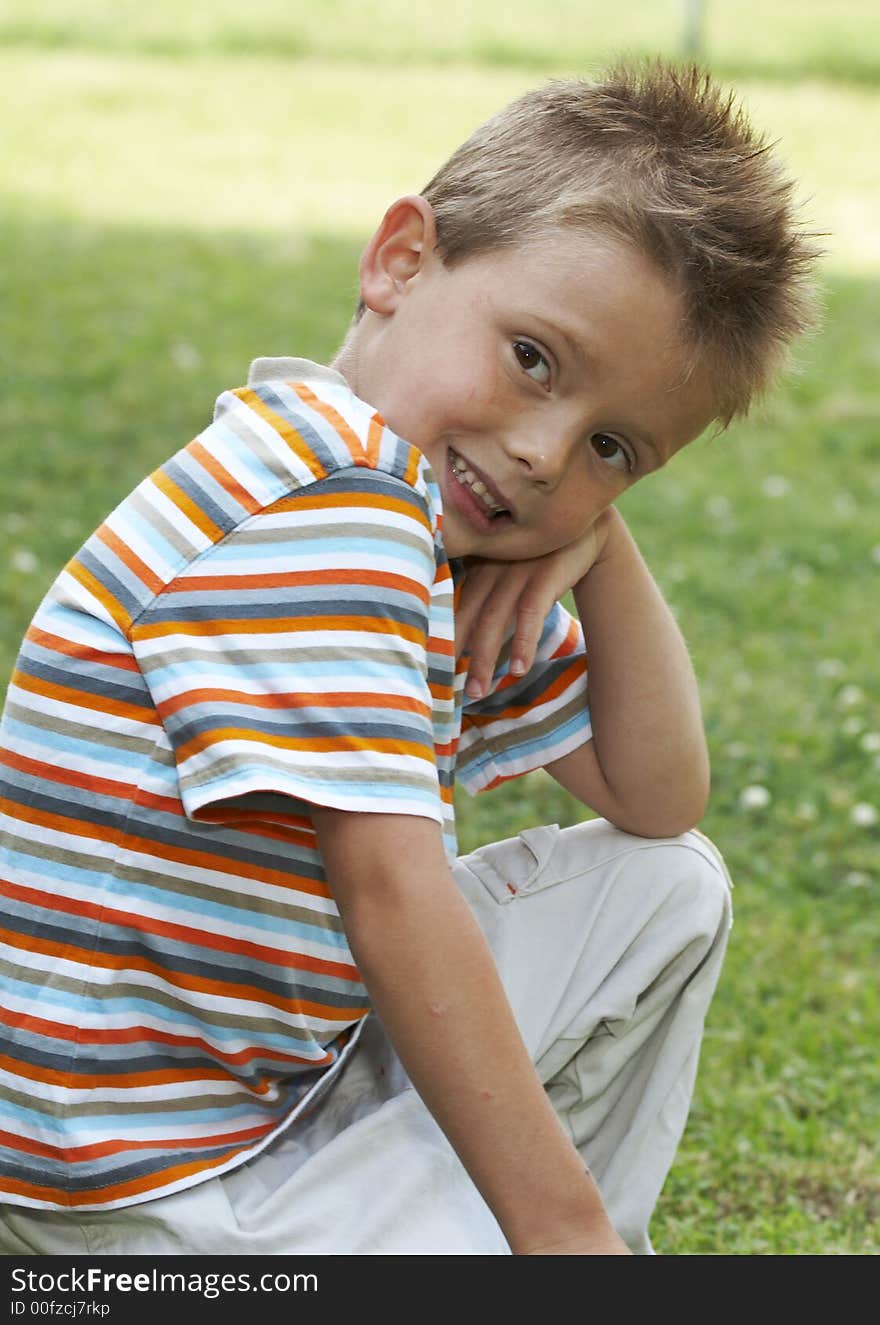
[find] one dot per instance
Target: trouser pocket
(518, 866)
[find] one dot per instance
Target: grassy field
(175, 199)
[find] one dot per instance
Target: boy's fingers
(488, 634)
(531, 614)
(501, 611)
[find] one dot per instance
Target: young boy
(230, 743)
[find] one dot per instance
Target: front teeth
(467, 478)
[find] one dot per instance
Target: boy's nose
(543, 453)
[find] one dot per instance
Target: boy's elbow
(665, 816)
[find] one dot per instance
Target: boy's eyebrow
(556, 328)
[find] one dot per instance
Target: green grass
(165, 218)
(790, 39)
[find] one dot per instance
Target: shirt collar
(283, 369)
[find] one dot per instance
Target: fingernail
(474, 689)
(518, 666)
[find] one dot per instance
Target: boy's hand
(499, 594)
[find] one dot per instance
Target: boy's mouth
(491, 500)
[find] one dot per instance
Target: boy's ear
(404, 241)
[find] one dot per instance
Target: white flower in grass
(864, 815)
(856, 878)
(755, 797)
(776, 485)
(737, 750)
(806, 812)
(831, 667)
(719, 509)
(849, 696)
(875, 554)
(844, 503)
(870, 742)
(851, 726)
(185, 357)
(24, 560)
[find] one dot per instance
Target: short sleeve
(290, 660)
(525, 723)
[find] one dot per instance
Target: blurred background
(185, 187)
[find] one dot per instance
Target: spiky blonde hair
(662, 157)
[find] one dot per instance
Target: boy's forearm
(433, 982)
(648, 734)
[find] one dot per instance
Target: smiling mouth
(468, 479)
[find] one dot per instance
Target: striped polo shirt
(264, 624)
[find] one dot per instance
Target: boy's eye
(532, 361)
(609, 449)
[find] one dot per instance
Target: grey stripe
(238, 423)
(299, 725)
(163, 997)
(502, 742)
(322, 451)
(190, 476)
(529, 692)
(169, 533)
(139, 827)
(253, 535)
(318, 775)
(191, 653)
(77, 731)
(91, 1108)
(73, 678)
(267, 606)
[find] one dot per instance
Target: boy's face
(540, 382)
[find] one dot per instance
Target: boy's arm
(646, 768)
(433, 982)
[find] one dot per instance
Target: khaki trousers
(609, 946)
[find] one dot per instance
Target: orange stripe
(201, 938)
(186, 505)
(336, 421)
(280, 626)
(100, 705)
(77, 1154)
(374, 439)
(296, 700)
(148, 578)
(177, 855)
(100, 592)
(193, 984)
(54, 773)
(29, 814)
(148, 1035)
(313, 744)
(412, 466)
(221, 475)
(67, 777)
(373, 501)
(92, 1080)
(57, 644)
(445, 647)
(284, 429)
(298, 579)
(561, 683)
(119, 1191)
